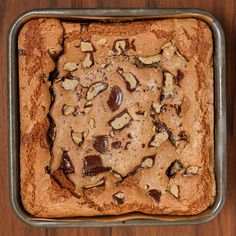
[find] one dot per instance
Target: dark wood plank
(225, 223)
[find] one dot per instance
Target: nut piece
(91, 122)
(70, 66)
(88, 60)
(119, 197)
(115, 98)
(155, 194)
(99, 183)
(70, 84)
(67, 109)
(149, 61)
(174, 190)
(130, 79)
(120, 46)
(148, 161)
(116, 175)
(191, 170)
(158, 139)
(157, 107)
(77, 137)
(173, 168)
(112, 133)
(96, 89)
(121, 120)
(86, 133)
(86, 47)
(166, 45)
(102, 42)
(87, 109)
(168, 86)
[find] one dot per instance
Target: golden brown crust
(54, 193)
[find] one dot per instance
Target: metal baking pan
(118, 15)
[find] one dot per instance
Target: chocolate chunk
(183, 136)
(51, 132)
(116, 144)
(121, 120)
(130, 79)
(143, 145)
(173, 168)
(119, 197)
(95, 89)
(179, 77)
(66, 164)
(155, 194)
(93, 165)
(115, 98)
(100, 143)
(120, 46)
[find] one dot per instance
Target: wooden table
(225, 223)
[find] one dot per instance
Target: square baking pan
(114, 15)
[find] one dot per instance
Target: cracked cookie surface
(127, 110)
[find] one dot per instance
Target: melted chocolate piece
(93, 165)
(100, 143)
(115, 98)
(173, 168)
(183, 136)
(179, 77)
(116, 144)
(53, 75)
(66, 164)
(51, 132)
(155, 194)
(133, 171)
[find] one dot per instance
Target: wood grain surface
(225, 223)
